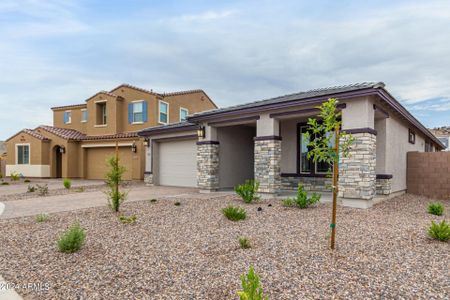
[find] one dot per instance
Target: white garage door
(178, 163)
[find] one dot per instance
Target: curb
(2, 208)
(8, 294)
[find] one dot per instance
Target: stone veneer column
(148, 178)
(357, 177)
(267, 163)
(208, 165)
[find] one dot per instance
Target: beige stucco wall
(380, 127)
(236, 155)
(398, 147)
(359, 113)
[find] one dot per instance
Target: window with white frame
(183, 114)
(163, 112)
(67, 117)
(84, 115)
(138, 112)
(23, 154)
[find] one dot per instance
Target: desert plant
(436, 209)
(31, 189)
(127, 220)
(113, 180)
(248, 190)
(67, 183)
(244, 243)
(302, 200)
(234, 213)
(72, 239)
(42, 218)
(153, 200)
(27, 181)
(14, 176)
(5, 183)
(251, 287)
(439, 231)
(42, 189)
(177, 203)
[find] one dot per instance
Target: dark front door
(58, 162)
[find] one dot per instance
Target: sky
(59, 52)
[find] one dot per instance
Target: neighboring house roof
(36, 134)
(69, 106)
(174, 127)
(67, 134)
(2, 147)
(316, 96)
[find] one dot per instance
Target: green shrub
(234, 213)
(251, 287)
(248, 190)
(27, 181)
(31, 189)
(42, 189)
(177, 203)
(72, 239)
(67, 183)
(436, 209)
(42, 218)
(244, 243)
(113, 180)
(5, 183)
(153, 200)
(127, 220)
(439, 231)
(14, 176)
(302, 200)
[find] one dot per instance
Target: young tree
(327, 144)
(113, 180)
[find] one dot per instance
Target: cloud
(208, 15)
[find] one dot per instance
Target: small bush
(251, 285)
(127, 220)
(302, 200)
(234, 213)
(79, 190)
(14, 176)
(153, 200)
(42, 218)
(42, 189)
(113, 180)
(72, 240)
(177, 203)
(436, 209)
(67, 183)
(248, 190)
(244, 243)
(27, 181)
(31, 189)
(439, 231)
(5, 183)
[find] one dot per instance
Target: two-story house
(83, 136)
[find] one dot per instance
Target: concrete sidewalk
(52, 204)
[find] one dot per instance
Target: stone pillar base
(148, 179)
(383, 184)
(267, 164)
(357, 203)
(208, 165)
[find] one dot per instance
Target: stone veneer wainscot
(267, 164)
(208, 165)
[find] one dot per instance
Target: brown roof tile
(111, 136)
(68, 106)
(36, 134)
(103, 93)
(68, 134)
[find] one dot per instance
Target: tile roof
(158, 94)
(111, 136)
(68, 134)
(36, 134)
(295, 96)
(69, 106)
(103, 93)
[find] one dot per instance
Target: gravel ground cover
(192, 252)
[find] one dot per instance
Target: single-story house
(264, 140)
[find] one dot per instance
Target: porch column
(148, 174)
(357, 175)
(268, 155)
(208, 160)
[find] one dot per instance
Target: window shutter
(144, 111)
(66, 117)
(130, 113)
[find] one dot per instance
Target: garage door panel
(178, 163)
(97, 165)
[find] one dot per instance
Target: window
(84, 115)
(101, 113)
(444, 140)
(183, 114)
(163, 112)
(428, 146)
(411, 136)
(308, 166)
(67, 117)
(23, 154)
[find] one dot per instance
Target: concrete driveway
(74, 201)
